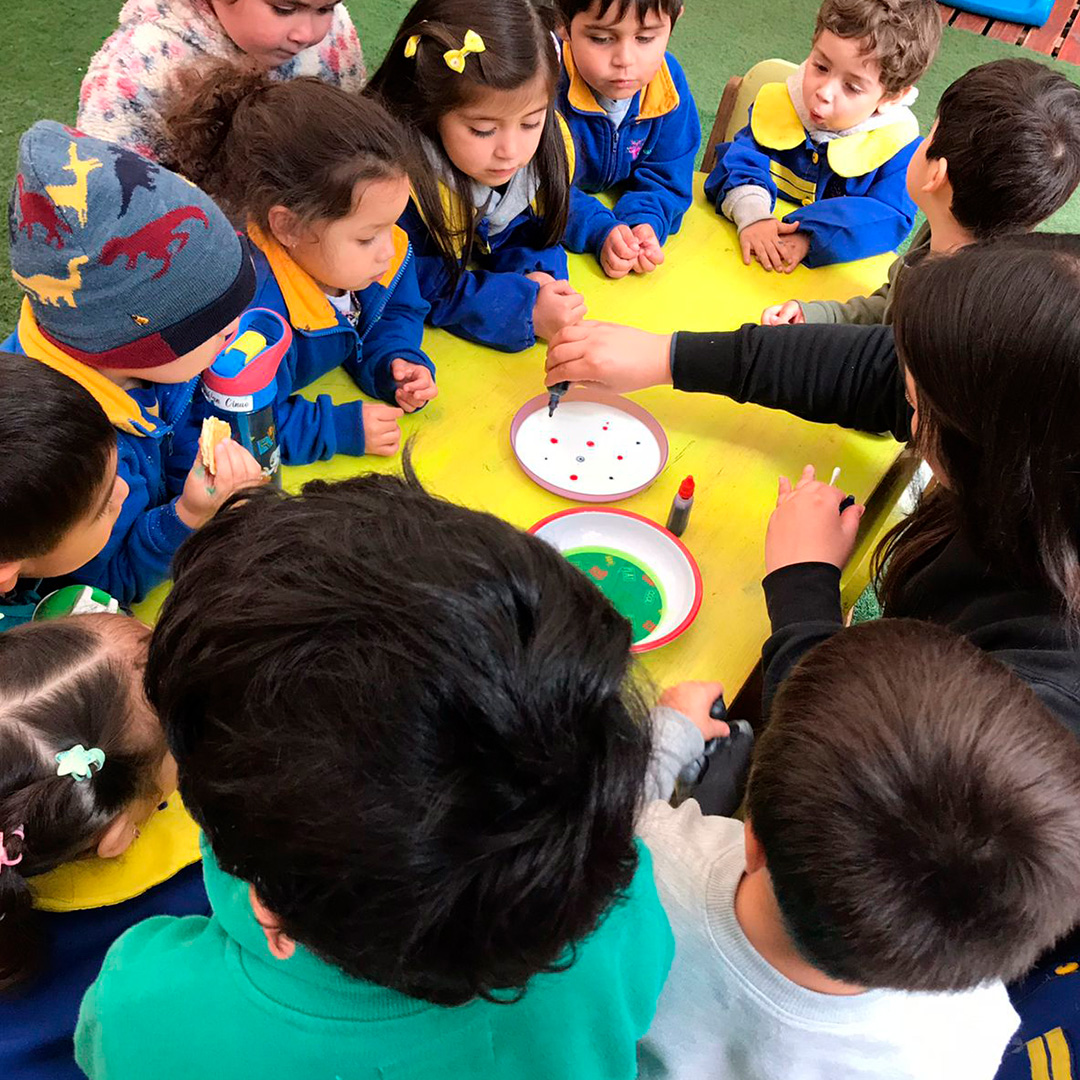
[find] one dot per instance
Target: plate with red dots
(598, 447)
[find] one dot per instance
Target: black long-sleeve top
(849, 375)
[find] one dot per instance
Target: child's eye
(533, 126)
(853, 89)
(820, 67)
(366, 241)
(283, 10)
(600, 40)
(482, 134)
(645, 40)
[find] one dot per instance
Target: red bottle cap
(686, 488)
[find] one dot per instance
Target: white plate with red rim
(647, 547)
(598, 447)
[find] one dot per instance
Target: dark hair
(416, 739)
(252, 142)
(1024, 118)
(990, 338)
(571, 9)
(919, 811)
(419, 90)
(61, 684)
(58, 445)
(902, 35)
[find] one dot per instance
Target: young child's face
(272, 32)
(841, 85)
(183, 368)
(498, 133)
(617, 57)
(83, 540)
(349, 253)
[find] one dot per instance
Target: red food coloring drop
(554, 440)
(590, 444)
(620, 457)
(573, 476)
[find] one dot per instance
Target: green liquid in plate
(631, 587)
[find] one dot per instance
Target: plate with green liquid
(649, 576)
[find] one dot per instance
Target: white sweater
(726, 1014)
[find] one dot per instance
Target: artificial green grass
(47, 44)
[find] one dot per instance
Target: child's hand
(619, 358)
(789, 313)
(415, 385)
(762, 240)
(620, 252)
(557, 305)
(539, 277)
(793, 248)
(652, 254)
(382, 435)
(694, 700)
(807, 527)
(204, 492)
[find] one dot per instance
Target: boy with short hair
(635, 125)
(59, 489)
(835, 140)
(408, 732)
(134, 280)
(949, 179)
(912, 839)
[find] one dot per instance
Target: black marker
(557, 392)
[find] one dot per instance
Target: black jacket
(849, 375)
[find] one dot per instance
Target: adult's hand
(618, 358)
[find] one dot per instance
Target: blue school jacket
(390, 326)
(82, 909)
(652, 153)
(851, 193)
(157, 439)
(492, 301)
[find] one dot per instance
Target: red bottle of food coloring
(679, 517)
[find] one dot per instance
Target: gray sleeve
(858, 311)
(678, 752)
(746, 204)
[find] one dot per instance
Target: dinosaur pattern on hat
(154, 239)
(73, 195)
(53, 290)
(37, 209)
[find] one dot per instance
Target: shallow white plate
(666, 558)
(598, 447)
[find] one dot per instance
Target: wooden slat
(1010, 33)
(1042, 39)
(1070, 49)
(946, 12)
(966, 21)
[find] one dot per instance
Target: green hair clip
(79, 763)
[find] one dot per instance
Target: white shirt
(726, 1014)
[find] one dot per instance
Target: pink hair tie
(5, 859)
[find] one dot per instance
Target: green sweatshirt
(875, 308)
(198, 999)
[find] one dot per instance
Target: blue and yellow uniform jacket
(157, 439)
(651, 153)
(851, 191)
(82, 908)
(492, 300)
(390, 326)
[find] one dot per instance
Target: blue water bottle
(241, 385)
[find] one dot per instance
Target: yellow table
(462, 446)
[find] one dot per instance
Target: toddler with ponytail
(89, 846)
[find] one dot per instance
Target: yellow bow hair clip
(411, 46)
(455, 58)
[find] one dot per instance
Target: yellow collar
(169, 842)
(121, 408)
(776, 125)
(308, 306)
(659, 97)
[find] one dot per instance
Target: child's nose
(302, 31)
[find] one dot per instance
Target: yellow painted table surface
(735, 452)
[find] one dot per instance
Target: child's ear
(118, 837)
(564, 32)
(9, 575)
(278, 942)
(755, 853)
(937, 176)
(284, 226)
